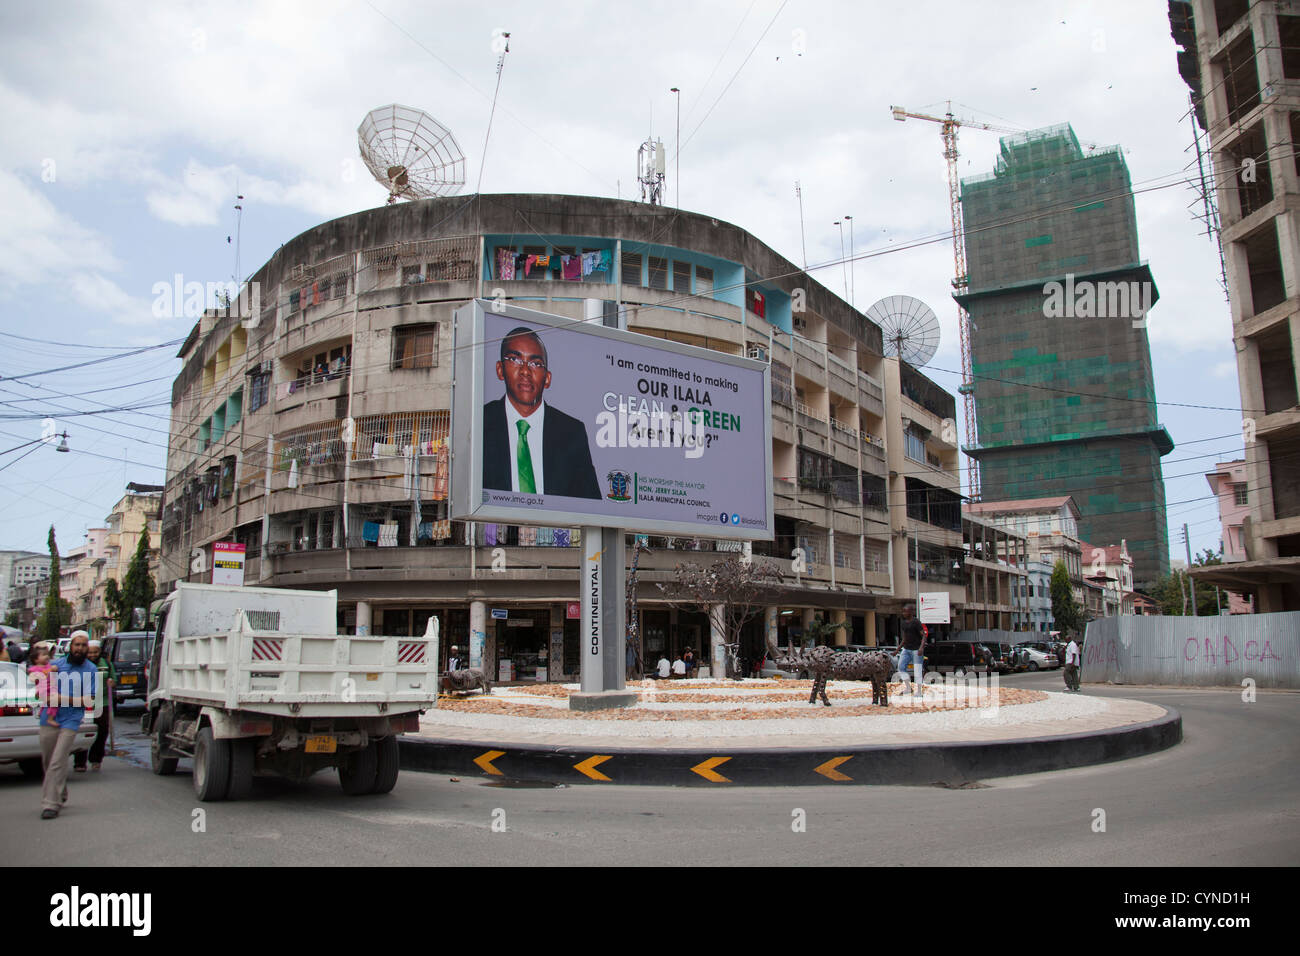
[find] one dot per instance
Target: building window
(260, 391)
(658, 273)
(415, 346)
(703, 280)
(681, 277)
(914, 446)
(1239, 494)
(631, 268)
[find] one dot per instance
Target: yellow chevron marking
(706, 770)
(588, 767)
(484, 761)
(828, 770)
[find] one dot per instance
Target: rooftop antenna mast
(650, 164)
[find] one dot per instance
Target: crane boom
(949, 125)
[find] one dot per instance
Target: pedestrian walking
(104, 719)
(1072, 662)
(913, 652)
(71, 692)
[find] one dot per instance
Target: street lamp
(677, 172)
(843, 264)
(853, 285)
(63, 445)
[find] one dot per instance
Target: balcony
(842, 379)
(810, 419)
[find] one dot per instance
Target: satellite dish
(909, 326)
(410, 153)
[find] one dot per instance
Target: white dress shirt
(664, 667)
(1072, 653)
(536, 424)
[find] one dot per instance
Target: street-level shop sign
(500, 613)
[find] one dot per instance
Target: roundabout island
(709, 732)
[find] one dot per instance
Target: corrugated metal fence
(1195, 651)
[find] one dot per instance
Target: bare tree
(730, 592)
(633, 623)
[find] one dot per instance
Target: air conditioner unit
(800, 324)
(755, 352)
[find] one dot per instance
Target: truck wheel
(242, 754)
(358, 771)
(163, 766)
(389, 760)
(31, 768)
(211, 767)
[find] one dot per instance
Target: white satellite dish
(909, 327)
(410, 153)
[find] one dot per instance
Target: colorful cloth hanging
(370, 532)
(571, 267)
(529, 262)
(490, 535)
(505, 263)
(562, 537)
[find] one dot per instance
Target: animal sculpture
(468, 679)
(823, 663)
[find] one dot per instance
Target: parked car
(771, 669)
(1038, 659)
(957, 655)
(128, 651)
(1001, 658)
(20, 740)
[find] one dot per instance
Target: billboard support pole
(603, 632)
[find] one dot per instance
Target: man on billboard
(529, 446)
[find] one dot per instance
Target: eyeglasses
(537, 365)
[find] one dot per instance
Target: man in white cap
(71, 694)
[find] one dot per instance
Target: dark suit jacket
(566, 457)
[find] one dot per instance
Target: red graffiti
(1210, 650)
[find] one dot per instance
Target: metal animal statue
(468, 679)
(824, 663)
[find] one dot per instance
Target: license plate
(322, 744)
(129, 678)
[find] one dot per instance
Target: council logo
(619, 483)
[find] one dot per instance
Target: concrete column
(477, 632)
(842, 637)
(869, 630)
(771, 619)
(363, 618)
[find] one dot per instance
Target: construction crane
(948, 126)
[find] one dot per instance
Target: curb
(882, 764)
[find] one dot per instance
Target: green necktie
(524, 460)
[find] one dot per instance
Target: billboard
(228, 563)
(933, 608)
(561, 422)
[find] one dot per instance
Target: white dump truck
(249, 681)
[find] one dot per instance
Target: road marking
(484, 761)
(828, 770)
(588, 767)
(706, 770)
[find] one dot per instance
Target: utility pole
(1187, 543)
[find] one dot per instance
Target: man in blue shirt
(71, 691)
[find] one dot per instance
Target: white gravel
(1022, 717)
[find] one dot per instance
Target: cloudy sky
(130, 127)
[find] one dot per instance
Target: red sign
(572, 611)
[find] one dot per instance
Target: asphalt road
(1228, 795)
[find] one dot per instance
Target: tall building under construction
(1061, 364)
